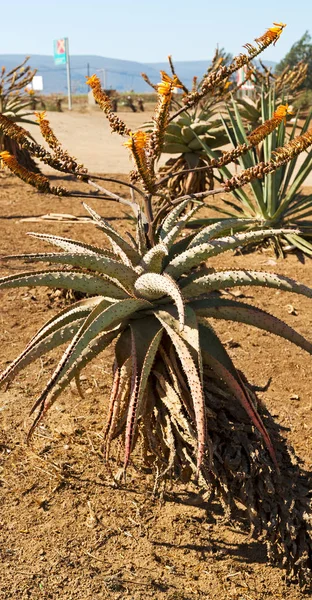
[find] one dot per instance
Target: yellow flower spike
(272, 34)
(37, 180)
(104, 103)
(93, 81)
(137, 143)
(282, 111)
(256, 136)
(167, 84)
(40, 116)
(137, 139)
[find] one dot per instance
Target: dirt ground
(67, 531)
(99, 149)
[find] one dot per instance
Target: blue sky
(147, 31)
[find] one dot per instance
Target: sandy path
(88, 137)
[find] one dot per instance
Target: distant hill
(121, 75)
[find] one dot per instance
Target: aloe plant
(286, 85)
(175, 388)
(16, 103)
(158, 309)
(276, 201)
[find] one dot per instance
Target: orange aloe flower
(272, 34)
(40, 116)
(167, 84)
(138, 139)
(282, 111)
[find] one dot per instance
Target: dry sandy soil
(88, 137)
(67, 531)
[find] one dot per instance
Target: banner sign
(37, 83)
(60, 56)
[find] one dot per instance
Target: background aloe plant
(175, 388)
(17, 104)
(183, 136)
(277, 200)
(286, 85)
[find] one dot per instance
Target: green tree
(301, 50)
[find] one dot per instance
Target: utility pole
(104, 82)
(68, 74)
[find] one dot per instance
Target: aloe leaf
(141, 235)
(298, 203)
(220, 308)
(239, 194)
(215, 355)
(99, 320)
(300, 243)
(152, 286)
(192, 257)
(189, 334)
(195, 285)
(171, 219)
(152, 261)
(39, 348)
(122, 274)
(121, 378)
(80, 282)
(247, 160)
(221, 227)
(180, 225)
(94, 348)
(179, 247)
(174, 405)
(70, 314)
(193, 379)
(112, 407)
(120, 246)
(71, 245)
(300, 177)
(145, 342)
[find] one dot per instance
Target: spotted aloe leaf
(220, 308)
(117, 272)
(171, 325)
(152, 261)
(179, 225)
(211, 231)
(120, 246)
(171, 219)
(174, 404)
(78, 310)
(79, 282)
(40, 348)
(189, 333)
(121, 379)
(196, 284)
(96, 346)
(71, 245)
(96, 324)
(145, 343)
(153, 286)
(100, 319)
(55, 332)
(192, 257)
(218, 359)
(179, 246)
